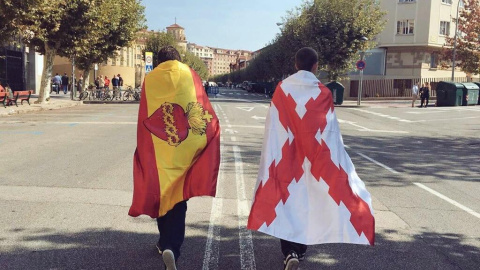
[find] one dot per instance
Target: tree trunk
(86, 77)
(44, 95)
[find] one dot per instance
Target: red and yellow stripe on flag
(178, 141)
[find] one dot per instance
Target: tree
(468, 41)
(333, 28)
(116, 32)
(196, 64)
(11, 11)
(157, 40)
(72, 28)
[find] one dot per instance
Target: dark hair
(305, 58)
(168, 53)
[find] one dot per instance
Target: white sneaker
(169, 259)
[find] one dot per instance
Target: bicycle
(108, 94)
(84, 94)
(129, 94)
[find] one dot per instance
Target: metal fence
(395, 87)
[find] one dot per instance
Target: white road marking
(241, 126)
(247, 257)
(362, 128)
(212, 247)
(443, 197)
(446, 119)
(378, 163)
(247, 109)
(382, 115)
(258, 117)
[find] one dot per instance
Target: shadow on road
(113, 249)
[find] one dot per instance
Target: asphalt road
(66, 184)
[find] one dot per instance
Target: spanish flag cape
(307, 189)
(178, 141)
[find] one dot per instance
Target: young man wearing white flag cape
(307, 189)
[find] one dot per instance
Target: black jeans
(171, 227)
(288, 246)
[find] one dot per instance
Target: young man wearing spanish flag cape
(178, 149)
(307, 189)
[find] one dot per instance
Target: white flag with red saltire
(307, 189)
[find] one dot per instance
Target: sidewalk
(56, 102)
(385, 103)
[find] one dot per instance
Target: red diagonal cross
(289, 168)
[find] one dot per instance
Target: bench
(20, 95)
(4, 98)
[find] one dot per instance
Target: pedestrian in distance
(424, 95)
(65, 83)
(115, 86)
(415, 91)
(107, 83)
(56, 82)
(178, 150)
(120, 82)
(307, 189)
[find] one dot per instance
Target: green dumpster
(337, 92)
(449, 93)
(470, 94)
(478, 84)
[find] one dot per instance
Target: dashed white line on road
(212, 247)
(378, 163)
(443, 197)
(247, 257)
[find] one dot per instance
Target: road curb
(38, 107)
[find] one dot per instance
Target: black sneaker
(169, 259)
(291, 261)
(158, 247)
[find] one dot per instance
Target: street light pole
(455, 42)
(362, 54)
(359, 98)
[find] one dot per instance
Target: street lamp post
(362, 54)
(455, 41)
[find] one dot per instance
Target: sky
(228, 24)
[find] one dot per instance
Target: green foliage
(109, 35)
(91, 30)
(157, 40)
(333, 28)
(468, 41)
(196, 64)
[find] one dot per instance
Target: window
(447, 2)
(444, 28)
(433, 60)
(405, 27)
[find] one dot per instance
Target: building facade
(203, 52)
(413, 38)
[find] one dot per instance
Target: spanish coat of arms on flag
(178, 141)
(307, 189)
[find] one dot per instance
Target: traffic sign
(361, 65)
(148, 62)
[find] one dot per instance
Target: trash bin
(449, 93)
(337, 92)
(478, 84)
(470, 94)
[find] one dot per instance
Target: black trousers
(288, 246)
(171, 227)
